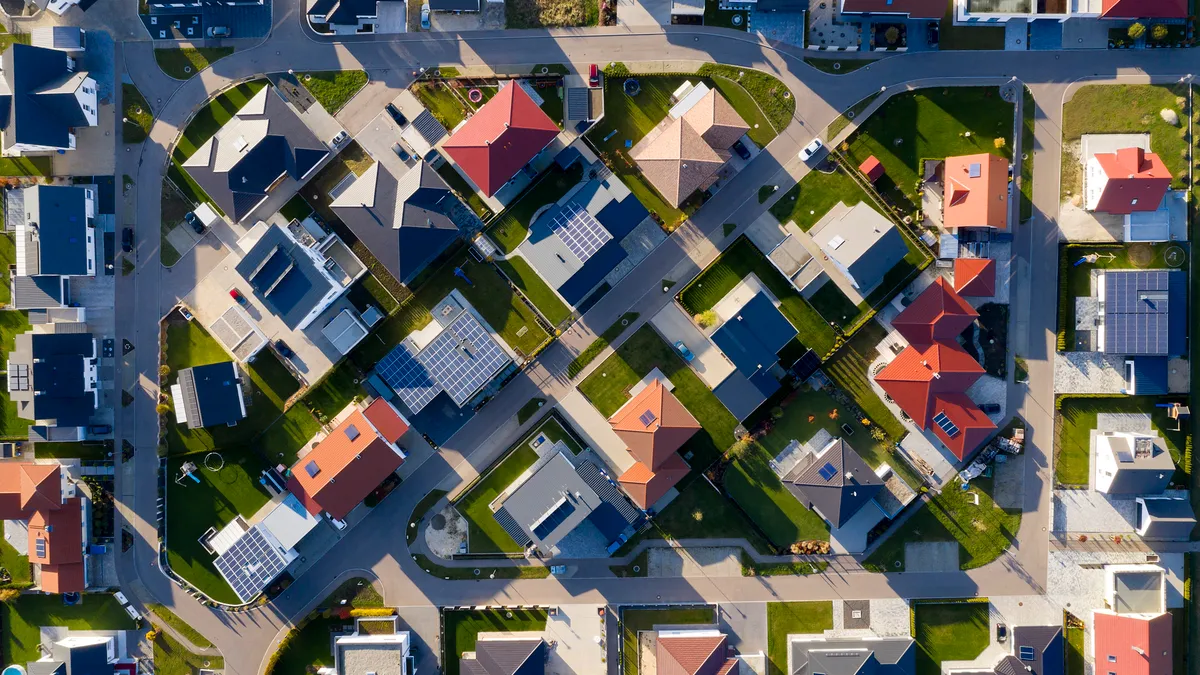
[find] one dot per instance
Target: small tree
(162, 408)
(892, 34)
(152, 634)
(9, 595)
(706, 318)
(1159, 32)
(164, 370)
(1136, 30)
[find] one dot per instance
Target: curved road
(246, 638)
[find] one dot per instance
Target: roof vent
(312, 469)
(836, 242)
(975, 170)
(352, 432)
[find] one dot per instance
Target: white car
(811, 149)
(342, 137)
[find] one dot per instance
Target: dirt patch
(1141, 255)
(550, 13)
(447, 532)
(647, 652)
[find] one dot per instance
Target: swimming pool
(13, 670)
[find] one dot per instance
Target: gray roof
(1144, 466)
(525, 656)
(883, 656)
(1137, 592)
(47, 380)
(739, 395)
(56, 224)
(66, 38)
(83, 659)
(1170, 519)
(868, 245)
(345, 12)
(454, 5)
(37, 101)
(837, 483)
(39, 292)
(284, 277)
(1037, 650)
(211, 394)
(550, 503)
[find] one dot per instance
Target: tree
(152, 634)
(1159, 32)
(1136, 30)
(892, 34)
(162, 408)
(164, 370)
(9, 595)
(706, 319)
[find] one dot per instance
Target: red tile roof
(938, 313)
(33, 492)
(347, 469)
(872, 168)
(388, 421)
(1137, 181)
(63, 578)
(976, 191)
(1144, 9)
(973, 424)
(654, 424)
(500, 138)
(28, 488)
(61, 530)
(1140, 645)
(646, 487)
(915, 9)
(690, 655)
(975, 277)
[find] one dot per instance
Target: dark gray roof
(345, 12)
(39, 292)
(1145, 312)
(289, 149)
(211, 394)
(39, 106)
(46, 668)
(283, 277)
(739, 395)
(551, 502)
(506, 657)
(84, 659)
(870, 245)
(55, 363)
(1144, 466)
(58, 213)
(1170, 519)
(883, 656)
(607, 491)
(68, 38)
(836, 483)
(1037, 650)
(454, 5)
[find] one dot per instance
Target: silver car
(425, 16)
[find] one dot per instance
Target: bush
(1158, 32)
(891, 35)
(707, 318)
(372, 611)
(1136, 30)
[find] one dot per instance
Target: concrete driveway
(710, 364)
(644, 12)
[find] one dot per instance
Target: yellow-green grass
(183, 63)
(848, 369)
(209, 119)
(23, 620)
(462, 628)
(525, 278)
(1076, 418)
(793, 618)
(949, 631)
(137, 117)
(182, 627)
(593, 350)
(333, 89)
(755, 487)
(172, 658)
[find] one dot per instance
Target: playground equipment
(474, 96)
(214, 458)
(187, 470)
(1092, 258)
(632, 87)
(458, 272)
(1177, 412)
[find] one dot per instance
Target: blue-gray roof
(1145, 312)
(752, 339)
(58, 380)
(211, 394)
(1149, 375)
(283, 277)
(37, 109)
(60, 215)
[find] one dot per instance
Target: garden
(461, 628)
(136, 114)
(793, 618)
(949, 631)
(308, 646)
(634, 621)
(333, 89)
(23, 618)
(1075, 418)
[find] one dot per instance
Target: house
(1165, 518)
(56, 516)
(991, 11)
(653, 425)
(576, 242)
(872, 168)
(1130, 463)
(372, 650)
(55, 240)
(913, 9)
(498, 654)
(208, 396)
(929, 378)
(52, 380)
(501, 138)
(862, 244)
(405, 221)
(90, 654)
(1144, 312)
(263, 145)
(975, 277)
(751, 340)
(350, 17)
(250, 557)
(454, 5)
(43, 102)
(975, 191)
(693, 651)
(685, 151)
(1132, 634)
(1125, 181)
(557, 495)
(835, 482)
(1144, 9)
(351, 461)
(809, 655)
(1032, 650)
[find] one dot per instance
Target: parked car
(594, 76)
(1001, 633)
(811, 149)
(990, 408)
(237, 296)
(127, 240)
(284, 350)
(341, 137)
(219, 32)
(425, 16)
(400, 152)
(100, 429)
(684, 351)
(931, 33)
(741, 150)
(339, 524)
(194, 220)
(397, 115)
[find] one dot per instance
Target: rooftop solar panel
(1137, 312)
(250, 564)
(553, 519)
(828, 471)
(463, 358)
(408, 377)
(648, 418)
(945, 424)
(579, 230)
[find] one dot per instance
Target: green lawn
(512, 226)
(833, 305)
(334, 88)
(1028, 108)
(532, 407)
(700, 512)
(634, 621)
(1077, 418)
(296, 208)
(753, 485)
(485, 572)
(182, 627)
(183, 63)
(764, 95)
(983, 531)
(850, 114)
(552, 103)
(443, 103)
(606, 338)
(527, 14)
(136, 111)
(952, 631)
(17, 566)
(793, 618)
(172, 658)
(8, 256)
(1111, 109)
(370, 291)
(848, 370)
(23, 619)
(209, 119)
(810, 199)
(12, 323)
(307, 647)
(462, 627)
(1075, 654)
(531, 284)
(71, 449)
(608, 389)
(739, 260)
(930, 124)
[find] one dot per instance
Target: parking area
(574, 631)
(709, 363)
(188, 23)
(644, 12)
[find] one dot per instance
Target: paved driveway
(710, 364)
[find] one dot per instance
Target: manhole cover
(438, 522)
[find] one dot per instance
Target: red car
(594, 76)
(233, 293)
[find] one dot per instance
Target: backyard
(734, 264)
(550, 13)
(524, 277)
(1076, 418)
(930, 124)
(12, 323)
(511, 227)
(949, 631)
(634, 621)
(754, 486)
(135, 112)
(333, 89)
(172, 658)
(308, 647)
(462, 627)
(700, 512)
(24, 617)
(848, 369)
(183, 63)
(792, 618)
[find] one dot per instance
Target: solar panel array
(552, 520)
(579, 230)
(945, 424)
(828, 471)
(459, 360)
(250, 564)
(647, 418)
(1136, 312)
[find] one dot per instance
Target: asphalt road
(246, 638)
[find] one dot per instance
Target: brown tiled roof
(728, 667)
(62, 530)
(677, 161)
(690, 655)
(975, 277)
(646, 487)
(348, 464)
(976, 192)
(716, 121)
(67, 578)
(386, 419)
(654, 424)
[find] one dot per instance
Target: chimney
(937, 376)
